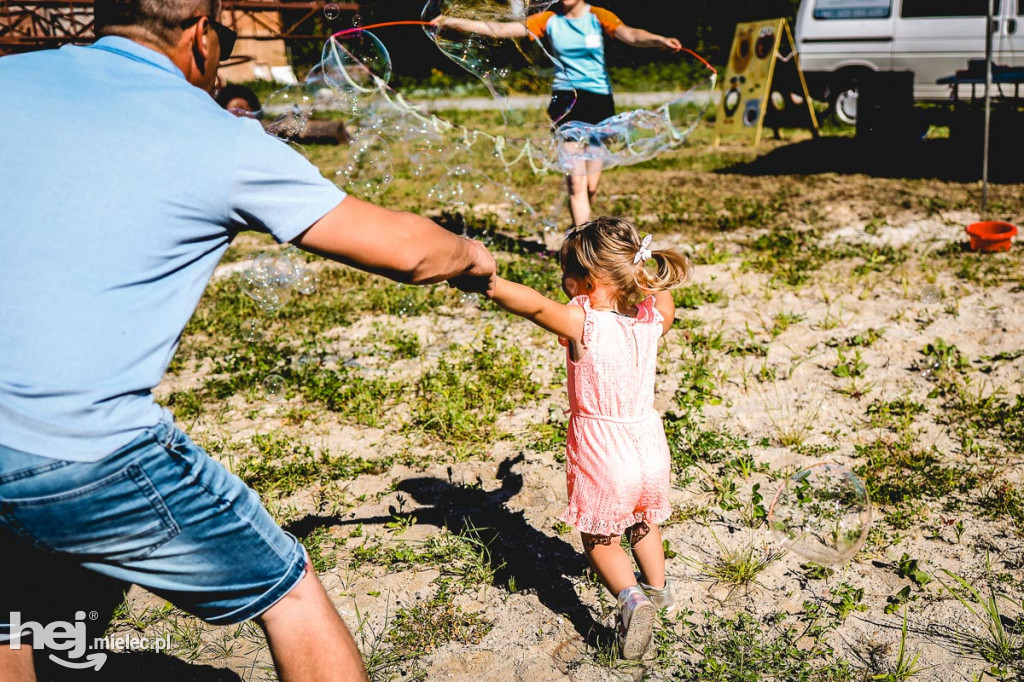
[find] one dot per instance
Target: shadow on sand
(938, 159)
(537, 563)
(48, 588)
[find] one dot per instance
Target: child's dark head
(606, 248)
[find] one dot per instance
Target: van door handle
(995, 26)
(1011, 26)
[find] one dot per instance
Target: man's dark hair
(154, 20)
(233, 90)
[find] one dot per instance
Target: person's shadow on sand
(49, 588)
(519, 553)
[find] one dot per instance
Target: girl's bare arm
(667, 307)
(638, 37)
(494, 29)
(557, 318)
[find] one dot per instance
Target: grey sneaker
(636, 622)
(663, 598)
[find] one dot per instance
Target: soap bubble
(356, 62)
(929, 368)
(251, 329)
(369, 170)
(357, 21)
(487, 56)
(470, 169)
(931, 294)
(822, 513)
(270, 279)
(332, 11)
(307, 282)
(273, 386)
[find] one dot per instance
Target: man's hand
(480, 276)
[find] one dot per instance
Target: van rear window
(918, 9)
(852, 9)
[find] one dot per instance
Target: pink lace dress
(617, 467)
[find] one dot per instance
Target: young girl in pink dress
(617, 456)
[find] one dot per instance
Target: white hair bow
(644, 253)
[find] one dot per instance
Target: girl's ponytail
(611, 249)
(671, 269)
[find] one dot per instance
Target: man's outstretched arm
(401, 246)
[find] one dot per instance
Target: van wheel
(844, 103)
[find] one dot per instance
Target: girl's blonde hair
(605, 248)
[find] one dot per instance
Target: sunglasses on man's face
(225, 35)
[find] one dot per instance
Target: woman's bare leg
(579, 198)
(593, 180)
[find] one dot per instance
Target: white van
(844, 42)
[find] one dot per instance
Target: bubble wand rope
(380, 25)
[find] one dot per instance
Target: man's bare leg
(16, 664)
(308, 639)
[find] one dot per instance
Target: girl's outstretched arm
(638, 37)
(495, 29)
(666, 305)
(557, 318)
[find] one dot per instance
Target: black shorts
(583, 106)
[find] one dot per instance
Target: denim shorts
(158, 513)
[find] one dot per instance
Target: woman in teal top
(581, 90)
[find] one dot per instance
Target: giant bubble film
(474, 168)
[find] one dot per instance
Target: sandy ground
(553, 625)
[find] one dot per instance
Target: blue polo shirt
(121, 186)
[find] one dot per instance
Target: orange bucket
(991, 235)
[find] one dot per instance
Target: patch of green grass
(866, 338)
(550, 436)
(421, 629)
(847, 366)
(983, 269)
(464, 555)
(693, 296)
(1005, 502)
(691, 444)
(283, 466)
(346, 392)
(539, 271)
(318, 546)
(898, 472)
(747, 649)
(747, 212)
(897, 415)
(737, 567)
(399, 344)
(789, 255)
(459, 400)
(996, 637)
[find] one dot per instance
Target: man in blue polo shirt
(111, 223)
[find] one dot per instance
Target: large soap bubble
(369, 170)
(471, 168)
(356, 61)
(270, 279)
(822, 513)
(492, 54)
